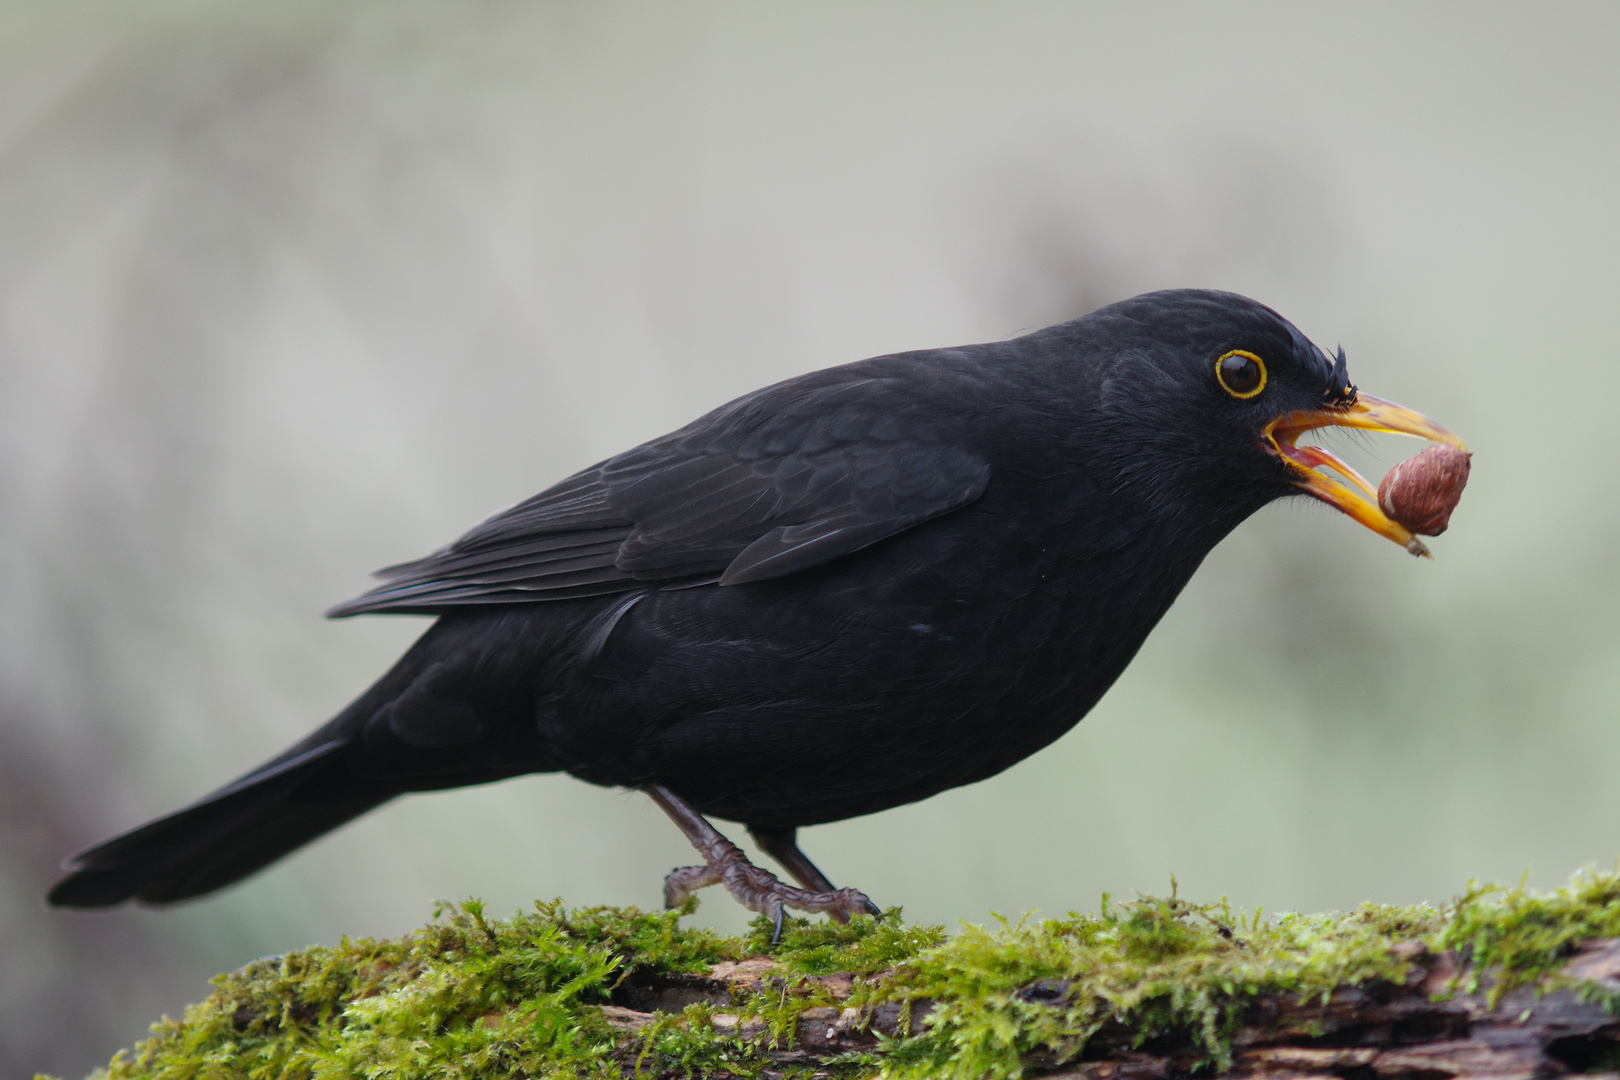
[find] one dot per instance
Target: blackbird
(841, 593)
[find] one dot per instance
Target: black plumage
(838, 594)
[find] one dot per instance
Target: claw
(778, 916)
(681, 882)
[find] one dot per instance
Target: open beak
(1359, 499)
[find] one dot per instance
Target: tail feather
(220, 839)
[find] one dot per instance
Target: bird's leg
(783, 846)
(753, 888)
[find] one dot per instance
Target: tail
(220, 839)
(454, 710)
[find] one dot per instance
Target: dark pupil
(1240, 374)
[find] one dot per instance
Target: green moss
(469, 996)
(1154, 967)
(862, 947)
(1524, 936)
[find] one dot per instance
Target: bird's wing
(781, 480)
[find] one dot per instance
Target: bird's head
(1211, 392)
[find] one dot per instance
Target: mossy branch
(1499, 982)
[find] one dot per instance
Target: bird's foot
(753, 888)
(759, 890)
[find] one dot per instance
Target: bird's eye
(1241, 374)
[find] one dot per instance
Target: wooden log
(1420, 1029)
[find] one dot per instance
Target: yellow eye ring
(1241, 374)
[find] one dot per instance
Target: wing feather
(774, 483)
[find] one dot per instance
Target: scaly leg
(783, 846)
(753, 888)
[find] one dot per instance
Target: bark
(1417, 1030)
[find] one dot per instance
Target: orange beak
(1360, 498)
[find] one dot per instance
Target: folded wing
(776, 482)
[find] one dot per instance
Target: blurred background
(290, 292)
